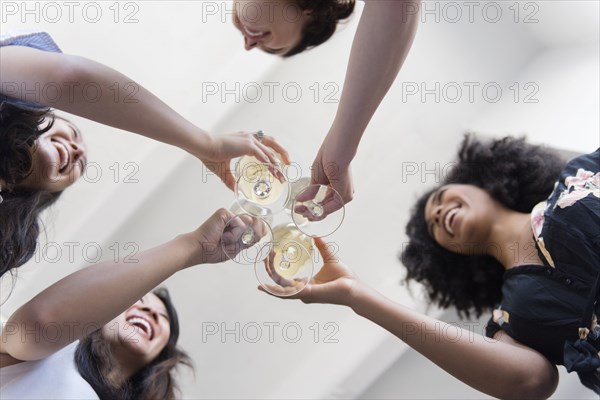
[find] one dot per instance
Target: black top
(542, 306)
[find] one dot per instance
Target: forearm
(493, 367)
(88, 299)
(383, 39)
(92, 90)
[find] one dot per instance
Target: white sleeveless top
(54, 377)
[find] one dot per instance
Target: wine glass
(318, 210)
(261, 189)
(244, 237)
(287, 267)
(296, 187)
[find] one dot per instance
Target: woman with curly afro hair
(517, 175)
(513, 231)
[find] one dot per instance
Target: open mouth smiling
(449, 219)
(63, 154)
(143, 324)
(252, 34)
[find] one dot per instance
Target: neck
(126, 366)
(512, 239)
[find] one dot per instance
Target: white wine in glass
(245, 237)
(261, 189)
(288, 266)
(296, 187)
(318, 210)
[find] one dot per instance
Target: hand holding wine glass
(207, 239)
(283, 265)
(224, 148)
(332, 167)
(244, 236)
(318, 210)
(261, 189)
(333, 284)
(287, 267)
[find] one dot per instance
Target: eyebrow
(75, 131)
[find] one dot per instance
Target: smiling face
(272, 26)
(59, 158)
(139, 334)
(460, 218)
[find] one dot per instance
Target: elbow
(536, 385)
(31, 334)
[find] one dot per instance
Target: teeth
(449, 215)
(253, 33)
(67, 160)
(145, 324)
(64, 162)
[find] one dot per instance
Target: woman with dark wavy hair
(289, 27)
(82, 338)
(42, 154)
(511, 230)
(103, 357)
(384, 36)
(516, 174)
(134, 356)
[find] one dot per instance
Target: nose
(77, 151)
(150, 311)
(437, 213)
(249, 44)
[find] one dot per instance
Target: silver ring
(260, 134)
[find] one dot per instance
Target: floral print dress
(542, 306)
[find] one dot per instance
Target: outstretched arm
(499, 367)
(383, 39)
(97, 92)
(89, 298)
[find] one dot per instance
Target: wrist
(344, 148)
(191, 250)
(201, 144)
(357, 295)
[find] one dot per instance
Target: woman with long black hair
(42, 154)
(104, 331)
